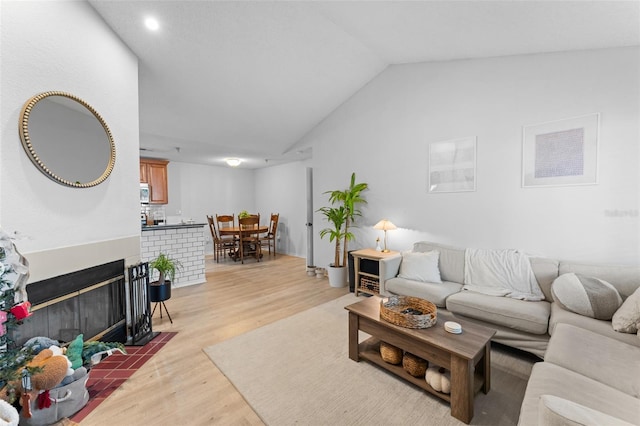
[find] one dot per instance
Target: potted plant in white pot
(341, 219)
(336, 216)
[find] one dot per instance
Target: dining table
(235, 231)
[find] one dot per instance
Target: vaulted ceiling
(243, 79)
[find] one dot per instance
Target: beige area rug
(297, 372)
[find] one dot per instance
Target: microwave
(144, 193)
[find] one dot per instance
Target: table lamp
(385, 225)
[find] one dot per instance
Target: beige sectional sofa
(590, 373)
(595, 380)
(521, 324)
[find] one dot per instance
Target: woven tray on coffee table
(409, 312)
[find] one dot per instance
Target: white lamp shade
(233, 162)
(385, 225)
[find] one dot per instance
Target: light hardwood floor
(180, 385)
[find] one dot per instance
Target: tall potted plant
(349, 198)
(341, 215)
(160, 290)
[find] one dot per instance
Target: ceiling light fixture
(152, 24)
(233, 162)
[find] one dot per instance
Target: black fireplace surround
(91, 302)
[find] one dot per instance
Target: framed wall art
(563, 152)
(452, 165)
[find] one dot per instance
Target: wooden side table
(368, 269)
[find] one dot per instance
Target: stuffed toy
(37, 344)
(93, 352)
(78, 373)
(74, 352)
(54, 367)
(58, 351)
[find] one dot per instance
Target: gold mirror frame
(33, 156)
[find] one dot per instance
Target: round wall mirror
(67, 139)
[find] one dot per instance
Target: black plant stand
(158, 293)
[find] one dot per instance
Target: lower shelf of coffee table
(370, 351)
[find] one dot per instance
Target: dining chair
(270, 237)
(225, 220)
(214, 237)
(220, 245)
(253, 215)
(227, 242)
(249, 239)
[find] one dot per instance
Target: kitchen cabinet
(144, 175)
(154, 173)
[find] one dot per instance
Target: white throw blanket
(501, 273)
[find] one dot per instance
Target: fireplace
(91, 301)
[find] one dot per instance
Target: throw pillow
(628, 315)
(591, 297)
(420, 266)
(555, 411)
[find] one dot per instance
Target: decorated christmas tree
(14, 307)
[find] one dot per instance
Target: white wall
(282, 189)
(196, 191)
(66, 46)
(383, 132)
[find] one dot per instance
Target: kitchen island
(183, 242)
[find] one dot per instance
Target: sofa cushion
(560, 315)
(435, 293)
(555, 411)
(591, 297)
(550, 379)
(625, 279)
(593, 355)
(420, 266)
(531, 317)
(451, 260)
(628, 315)
(545, 271)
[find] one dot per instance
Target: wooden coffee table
(467, 355)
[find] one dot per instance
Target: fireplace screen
(91, 302)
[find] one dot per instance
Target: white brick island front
(184, 243)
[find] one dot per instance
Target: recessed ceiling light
(233, 162)
(152, 23)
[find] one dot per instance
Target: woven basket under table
(414, 365)
(391, 311)
(391, 354)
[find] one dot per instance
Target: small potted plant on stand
(160, 290)
(341, 218)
